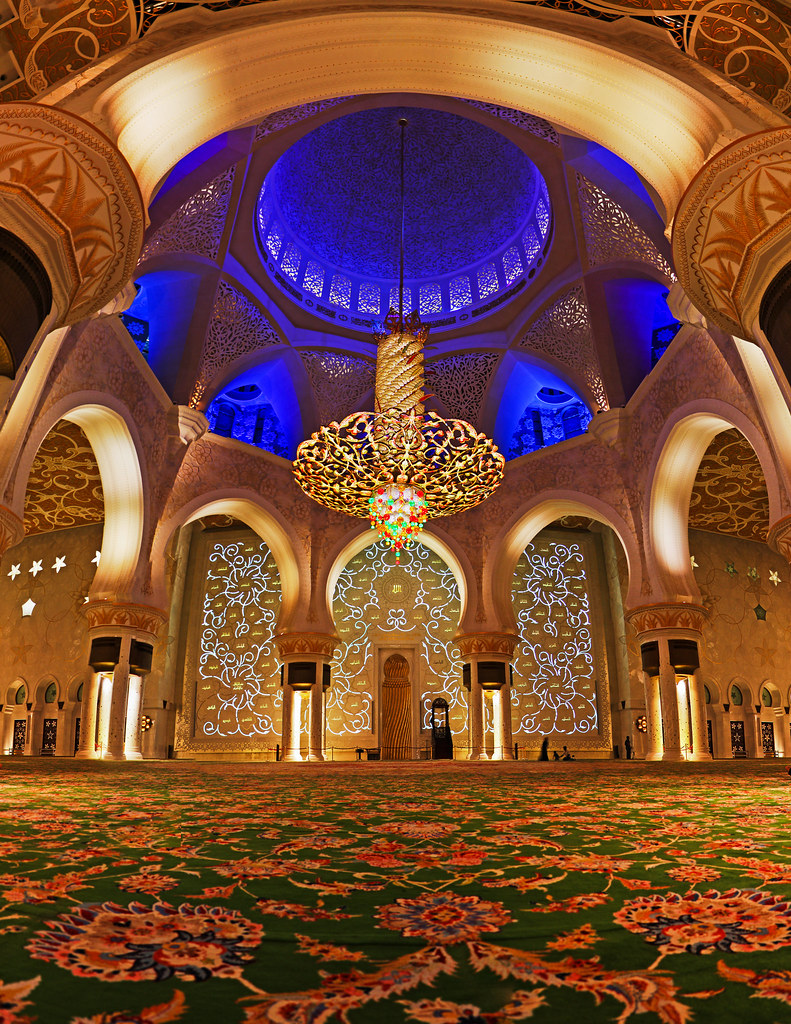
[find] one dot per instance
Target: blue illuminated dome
(478, 217)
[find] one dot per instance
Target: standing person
(544, 754)
(627, 746)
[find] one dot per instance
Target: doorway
(396, 710)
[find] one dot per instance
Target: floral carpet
(448, 893)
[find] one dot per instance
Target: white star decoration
(28, 606)
(60, 563)
(35, 568)
(96, 557)
(693, 562)
(15, 571)
(774, 577)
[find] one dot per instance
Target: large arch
(546, 509)
(112, 435)
(437, 541)
(250, 510)
(680, 448)
(187, 87)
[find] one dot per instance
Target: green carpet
(445, 893)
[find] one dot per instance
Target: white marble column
(316, 744)
(697, 707)
(88, 717)
(668, 700)
(132, 736)
(653, 714)
(116, 733)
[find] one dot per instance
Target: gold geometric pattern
(64, 488)
(730, 495)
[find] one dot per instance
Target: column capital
(140, 621)
(778, 537)
(307, 645)
(653, 621)
(500, 646)
(732, 229)
(89, 245)
(12, 529)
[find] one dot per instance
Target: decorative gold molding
(137, 618)
(732, 230)
(82, 199)
(778, 537)
(318, 645)
(487, 643)
(671, 617)
(12, 529)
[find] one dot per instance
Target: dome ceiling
(477, 212)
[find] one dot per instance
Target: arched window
(512, 264)
(737, 698)
(430, 299)
(51, 694)
(766, 698)
(707, 694)
(313, 280)
(460, 292)
(291, 261)
(341, 291)
(407, 299)
(370, 300)
(20, 695)
(487, 280)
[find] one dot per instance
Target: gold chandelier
(399, 465)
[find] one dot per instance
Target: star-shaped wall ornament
(96, 558)
(774, 577)
(20, 651)
(760, 612)
(753, 573)
(28, 606)
(14, 572)
(731, 568)
(35, 568)
(693, 563)
(60, 563)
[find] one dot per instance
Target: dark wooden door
(76, 735)
(711, 738)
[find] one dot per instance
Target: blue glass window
(273, 241)
(430, 299)
(313, 281)
(460, 292)
(487, 280)
(370, 298)
(512, 264)
(407, 299)
(291, 261)
(341, 291)
(531, 243)
(542, 216)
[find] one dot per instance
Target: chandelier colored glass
(399, 465)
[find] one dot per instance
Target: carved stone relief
(197, 226)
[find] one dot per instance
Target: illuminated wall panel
(380, 603)
(555, 668)
(233, 665)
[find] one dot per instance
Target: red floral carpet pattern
(444, 894)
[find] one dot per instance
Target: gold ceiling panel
(64, 488)
(729, 495)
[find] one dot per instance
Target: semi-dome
(478, 217)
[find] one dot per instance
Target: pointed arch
(679, 450)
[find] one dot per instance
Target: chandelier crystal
(399, 465)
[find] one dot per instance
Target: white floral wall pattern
(554, 672)
(237, 666)
(377, 601)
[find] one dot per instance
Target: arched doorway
(396, 710)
